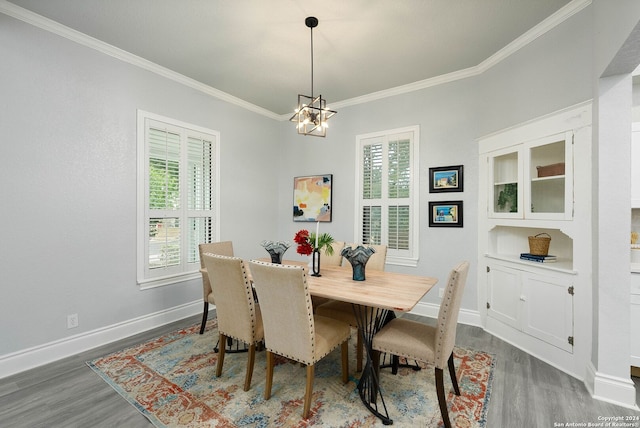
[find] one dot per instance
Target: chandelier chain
(311, 62)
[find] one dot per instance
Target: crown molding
(410, 87)
(543, 27)
(46, 24)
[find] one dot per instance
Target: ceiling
(259, 51)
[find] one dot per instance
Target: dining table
(374, 302)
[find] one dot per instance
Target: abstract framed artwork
(445, 214)
(312, 198)
(446, 179)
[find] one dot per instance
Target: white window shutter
(177, 203)
(387, 191)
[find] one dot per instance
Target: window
(387, 192)
(177, 198)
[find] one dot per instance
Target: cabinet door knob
(523, 298)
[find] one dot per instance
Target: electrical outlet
(441, 292)
(72, 320)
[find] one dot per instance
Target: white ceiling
(259, 51)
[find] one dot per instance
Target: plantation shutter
(371, 194)
(399, 182)
(387, 185)
(201, 197)
(164, 198)
(178, 177)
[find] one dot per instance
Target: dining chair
(223, 248)
(333, 260)
(238, 314)
(343, 311)
(290, 327)
(421, 342)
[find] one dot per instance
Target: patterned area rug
(171, 380)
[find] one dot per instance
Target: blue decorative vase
(358, 258)
(276, 249)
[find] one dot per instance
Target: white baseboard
(430, 310)
(49, 352)
(616, 390)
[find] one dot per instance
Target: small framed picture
(446, 179)
(445, 214)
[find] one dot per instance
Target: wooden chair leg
(220, 356)
(345, 361)
(359, 351)
(452, 373)
(269, 382)
(205, 313)
(250, 361)
(442, 398)
(308, 391)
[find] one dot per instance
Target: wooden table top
(382, 289)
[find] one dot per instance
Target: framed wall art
(446, 179)
(312, 198)
(445, 214)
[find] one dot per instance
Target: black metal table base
(233, 346)
(394, 364)
(370, 321)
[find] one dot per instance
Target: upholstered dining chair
(223, 248)
(343, 311)
(294, 331)
(238, 315)
(333, 260)
(421, 342)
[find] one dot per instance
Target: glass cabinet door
(506, 197)
(549, 172)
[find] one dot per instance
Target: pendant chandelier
(312, 114)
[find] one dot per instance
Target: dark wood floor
(526, 392)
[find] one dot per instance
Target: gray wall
(68, 153)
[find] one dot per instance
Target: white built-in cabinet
(635, 266)
(535, 172)
(635, 165)
(532, 302)
(635, 319)
(537, 180)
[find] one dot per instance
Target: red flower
(301, 237)
(304, 244)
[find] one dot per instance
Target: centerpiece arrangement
(311, 244)
(276, 249)
(358, 257)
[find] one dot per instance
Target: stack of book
(536, 258)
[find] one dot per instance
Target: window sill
(401, 261)
(146, 284)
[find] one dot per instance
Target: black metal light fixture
(312, 113)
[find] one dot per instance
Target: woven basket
(539, 245)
